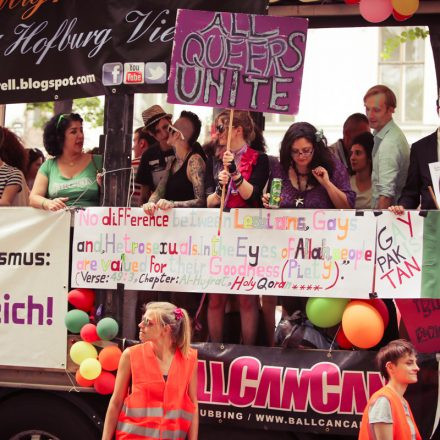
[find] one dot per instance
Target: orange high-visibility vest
(156, 409)
(401, 430)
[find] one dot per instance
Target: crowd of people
(171, 170)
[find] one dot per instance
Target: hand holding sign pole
(237, 61)
(228, 148)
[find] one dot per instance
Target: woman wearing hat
(154, 161)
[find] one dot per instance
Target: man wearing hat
(154, 161)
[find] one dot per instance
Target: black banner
(62, 49)
(301, 390)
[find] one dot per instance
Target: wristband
(232, 167)
(43, 203)
(218, 190)
(238, 182)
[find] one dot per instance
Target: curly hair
(55, 131)
(321, 154)
(12, 150)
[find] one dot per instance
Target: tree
(90, 109)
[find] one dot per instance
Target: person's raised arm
(120, 392)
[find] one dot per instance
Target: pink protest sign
(242, 61)
(422, 320)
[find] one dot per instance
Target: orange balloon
(109, 357)
(362, 324)
(82, 381)
(405, 7)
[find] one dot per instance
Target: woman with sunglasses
(155, 393)
(183, 186)
(245, 176)
(311, 176)
(70, 177)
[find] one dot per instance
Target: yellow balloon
(405, 7)
(82, 350)
(90, 368)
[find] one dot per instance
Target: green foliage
(393, 43)
(90, 109)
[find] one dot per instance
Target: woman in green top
(70, 177)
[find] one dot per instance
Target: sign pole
(228, 148)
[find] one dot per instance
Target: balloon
(82, 299)
(375, 11)
(105, 383)
(400, 17)
(81, 381)
(362, 324)
(342, 340)
(75, 320)
(325, 312)
(90, 369)
(88, 333)
(107, 329)
(405, 7)
(381, 307)
(109, 357)
(82, 350)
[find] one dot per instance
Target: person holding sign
(70, 178)
(387, 415)
(155, 393)
(244, 171)
(311, 176)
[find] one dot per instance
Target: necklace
(299, 201)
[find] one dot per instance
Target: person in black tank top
(183, 186)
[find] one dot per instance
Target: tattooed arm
(196, 174)
(152, 205)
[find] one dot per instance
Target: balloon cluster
(94, 369)
(376, 11)
(363, 321)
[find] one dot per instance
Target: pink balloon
(375, 11)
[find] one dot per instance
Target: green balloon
(325, 312)
(107, 329)
(75, 320)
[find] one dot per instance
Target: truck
(243, 391)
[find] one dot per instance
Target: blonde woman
(155, 393)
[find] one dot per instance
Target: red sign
(422, 320)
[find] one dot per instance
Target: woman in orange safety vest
(387, 415)
(155, 394)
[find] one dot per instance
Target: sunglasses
(220, 128)
(172, 129)
(61, 117)
(148, 322)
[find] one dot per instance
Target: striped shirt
(9, 176)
